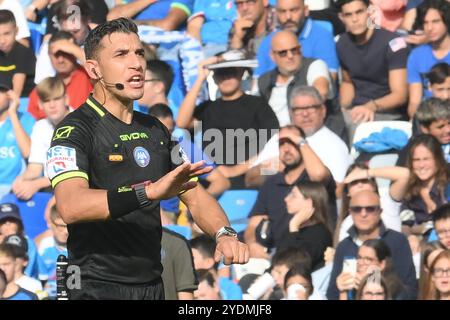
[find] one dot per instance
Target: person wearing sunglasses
(366, 214)
(292, 69)
(439, 277)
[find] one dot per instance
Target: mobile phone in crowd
(350, 267)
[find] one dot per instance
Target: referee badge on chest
(141, 156)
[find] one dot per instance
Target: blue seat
(237, 204)
(182, 230)
(32, 211)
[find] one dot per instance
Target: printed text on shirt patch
(61, 159)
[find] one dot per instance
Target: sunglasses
(283, 53)
(298, 110)
(368, 209)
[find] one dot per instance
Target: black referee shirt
(93, 144)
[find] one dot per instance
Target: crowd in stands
(335, 113)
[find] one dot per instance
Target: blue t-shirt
(316, 41)
(420, 62)
(49, 256)
(35, 267)
(229, 290)
(11, 161)
(23, 294)
(161, 8)
(219, 16)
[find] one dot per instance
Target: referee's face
(121, 61)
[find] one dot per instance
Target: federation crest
(141, 156)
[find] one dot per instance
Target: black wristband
(122, 203)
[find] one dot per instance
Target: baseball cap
(233, 59)
(19, 243)
(9, 210)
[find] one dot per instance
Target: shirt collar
(353, 234)
(307, 27)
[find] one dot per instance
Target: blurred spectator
(208, 287)
(390, 217)
(429, 253)
(373, 288)
(298, 283)
(439, 78)
(441, 221)
(3, 282)
(158, 81)
(373, 68)
(178, 275)
(167, 15)
(301, 164)
(249, 118)
(255, 20)
(54, 102)
(75, 78)
(316, 41)
(10, 224)
(53, 246)
(16, 60)
(374, 258)
(210, 23)
(20, 248)
(203, 250)
(389, 13)
(309, 229)
(435, 18)
(440, 277)
(366, 213)
(15, 130)
(8, 265)
(307, 111)
(292, 70)
(421, 187)
(23, 32)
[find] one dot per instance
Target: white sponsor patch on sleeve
(61, 159)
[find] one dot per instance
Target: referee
(110, 166)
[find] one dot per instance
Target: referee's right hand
(176, 181)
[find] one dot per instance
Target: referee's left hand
(176, 181)
(232, 250)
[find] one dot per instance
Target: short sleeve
(22, 25)
(397, 53)
(261, 206)
(37, 152)
(69, 152)
(412, 68)
(184, 270)
(185, 5)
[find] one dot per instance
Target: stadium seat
(383, 160)
(366, 128)
(237, 205)
(185, 231)
(32, 211)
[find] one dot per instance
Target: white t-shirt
(16, 8)
(41, 137)
(278, 97)
(326, 144)
(29, 284)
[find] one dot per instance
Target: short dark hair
(60, 35)
(63, 10)
(162, 71)
(341, 3)
(439, 73)
(442, 6)
(7, 16)
(92, 43)
(299, 270)
(441, 213)
(290, 257)
(160, 110)
(206, 275)
(205, 245)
